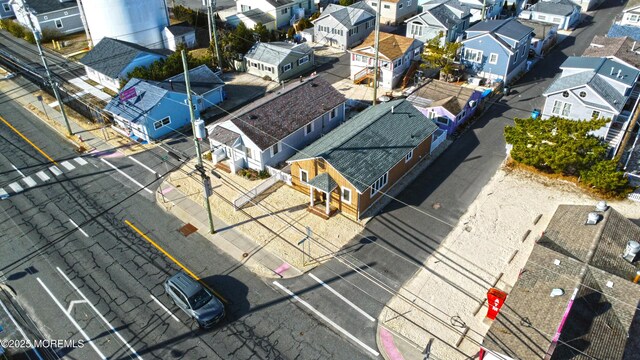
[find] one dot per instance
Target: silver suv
(194, 299)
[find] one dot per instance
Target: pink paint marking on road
(282, 268)
(389, 346)
(167, 190)
(107, 153)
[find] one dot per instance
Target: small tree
(262, 32)
(291, 33)
(440, 54)
(315, 15)
(513, 8)
(304, 23)
(346, 2)
(605, 177)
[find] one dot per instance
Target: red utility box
(495, 299)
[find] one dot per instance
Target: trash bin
(495, 299)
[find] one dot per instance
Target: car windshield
(199, 299)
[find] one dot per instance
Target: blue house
(496, 50)
(149, 110)
(112, 60)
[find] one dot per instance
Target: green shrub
(605, 177)
(264, 174)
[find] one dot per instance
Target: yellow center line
(27, 140)
(144, 236)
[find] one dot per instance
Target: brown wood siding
(313, 168)
(396, 173)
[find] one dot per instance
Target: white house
(631, 13)
(274, 14)
(394, 12)
(545, 35)
(178, 34)
(563, 13)
(61, 16)
(396, 55)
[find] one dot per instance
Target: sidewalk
(234, 244)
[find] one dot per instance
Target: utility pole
(213, 35)
(376, 66)
(53, 85)
(484, 7)
(206, 181)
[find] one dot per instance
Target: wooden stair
(224, 167)
(409, 75)
(362, 75)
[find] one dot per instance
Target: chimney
(633, 46)
(171, 84)
(612, 71)
(619, 73)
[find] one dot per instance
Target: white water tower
(137, 21)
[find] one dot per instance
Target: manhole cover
(188, 230)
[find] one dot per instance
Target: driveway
(395, 244)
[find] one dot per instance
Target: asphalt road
(395, 244)
(76, 265)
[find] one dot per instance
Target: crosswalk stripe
(43, 176)
(80, 161)
(29, 181)
(3, 194)
(54, 169)
(15, 187)
(68, 165)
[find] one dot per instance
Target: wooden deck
(320, 210)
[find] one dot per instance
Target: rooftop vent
(619, 74)
(314, 85)
(253, 117)
(392, 108)
(602, 206)
(593, 218)
(556, 292)
(612, 71)
(631, 250)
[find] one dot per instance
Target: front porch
(320, 189)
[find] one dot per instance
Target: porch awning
(323, 182)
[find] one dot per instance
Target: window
(346, 195)
(45, 17)
(308, 129)
(397, 63)
(565, 94)
(386, 6)
(416, 51)
(493, 58)
(634, 17)
(6, 7)
(244, 8)
(275, 149)
(561, 108)
(66, 13)
(595, 114)
(557, 20)
(284, 11)
(302, 60)
(542, 17)
(409, 156)
(374, 4)
(442, 120)
(400, 6)
(515, 57)
(583, 94)
(304, 176)
(334, 113)
(473, 55)
(380, 183)
(247, 152)
(286, 67)
(160, 123)
(58, 23)
(416, 29)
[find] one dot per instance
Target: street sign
(128, 94)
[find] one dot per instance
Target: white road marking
(113, 330)
(125, 175)
(43, 176)
(143, 165)
(29, 181)
(342, 297)
(165, 308)
(54, 169)
(3, 194)
(15, 187)
(81, 161)
(24, 336)
(18, 170)
(68, 165)
(74, 302)
(325, 318)
(84, 334)
(79, 228)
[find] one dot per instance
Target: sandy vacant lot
(444, 300)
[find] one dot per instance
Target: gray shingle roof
(134, 110)
(277, 3)
(279, 114)
(555, 7)
(441, 93)
(631, 4)
(110, 56)
(601, 318)
(372, 142)
(593, 80)
(349, 15)
(201, 80)
(46, 6)
(540, 29)
(276, 52)
(180, 29)
(602, 46)
(224, 135)
(444, 14)
(323, 182)
(259, 16)
(509, 28)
